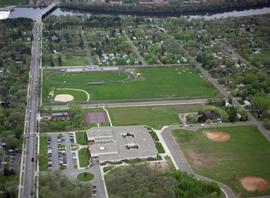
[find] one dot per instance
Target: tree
(262, 102)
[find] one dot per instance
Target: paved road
(135, 104)
(72, 173)
(183, 165)
(122, 66)
(29, 168)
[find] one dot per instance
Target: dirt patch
(63, 98)
(252, 183)
(199, 158)
(160, 166)
(217, 136)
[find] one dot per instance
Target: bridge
(46, 11)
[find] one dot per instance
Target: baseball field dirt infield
(252, 183)
(218, 136)
(63, 98)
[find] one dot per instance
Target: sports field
(245, 153)
(167, 83)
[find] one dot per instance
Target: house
(246, 103)
(203, 117)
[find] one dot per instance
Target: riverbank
(165, 10)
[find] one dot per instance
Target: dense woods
(142, 181)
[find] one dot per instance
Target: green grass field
(155, 117)
(81, 138)
(246, 154)
(43, 153)
(84, 157)
(169, 83)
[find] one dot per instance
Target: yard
(166, 82)
(155, 117)
(245, 154)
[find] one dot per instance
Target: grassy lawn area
(43, 153)
(155, 117)
(84, 177)
(262, 58)
(12, 2)
(159, 147)
(245, 154)
(81, 138)
(84, 157)
(169, 82)
(75, 61)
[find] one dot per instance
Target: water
(32, 13)
(250, 12)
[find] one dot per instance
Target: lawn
(245, 154)
(75, 61)
(43, 153)
(81, 138)
(85, 177)
(262, 58)
(166, 82)
(155, 117)
(84, 157)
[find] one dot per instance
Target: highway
(28, 180)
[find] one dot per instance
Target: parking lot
(60, 153)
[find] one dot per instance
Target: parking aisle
(54, 149)
(68, 151)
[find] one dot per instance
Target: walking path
(108, 115)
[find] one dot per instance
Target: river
(32, 13)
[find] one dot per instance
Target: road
(121, 66)
(28, 180)
(134, 104)
(183, 165)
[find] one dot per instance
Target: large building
(112, 144)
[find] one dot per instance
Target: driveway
(72, 173)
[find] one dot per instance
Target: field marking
(80, 90)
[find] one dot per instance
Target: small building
(113, 144)
(59, 116)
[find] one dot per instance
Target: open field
(245, 154)
(156, 116)
(169, 82)
(143, 116)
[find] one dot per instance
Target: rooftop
(121, 143)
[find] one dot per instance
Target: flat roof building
(112, 144)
